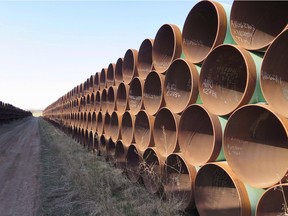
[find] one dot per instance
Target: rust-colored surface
(129, 66)
(145, 61)
(122, 98)
(133, 159)
(135, 96)
(127, 128)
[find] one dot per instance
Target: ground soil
(19, 168)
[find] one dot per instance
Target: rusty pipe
(143, 130)
(106, 127)
(111, 75)
(167, 47)
(255, 145)
(103, 79)
(120, 155)
(97, 81)
(153, 98)
(133, 163)
(100, 123)
(179, 178)
(135, 96)
(145, 64)
(274, 74)
(122, 98)
(111, 99)
(129, 66)
(127, 128)
(251, 24)
(200, 135)
(205, 27)
(229, 79)
(110, 151)
(165, 131)
(104, 100)
(98, 101)
(115, 123)
(181, 85)
(118, 71)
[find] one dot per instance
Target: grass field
(75, 182)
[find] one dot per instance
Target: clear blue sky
(47, 48)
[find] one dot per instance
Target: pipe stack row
(198, 115)
(9, 113)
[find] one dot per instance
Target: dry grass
(75, 182)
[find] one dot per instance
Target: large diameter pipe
(115, 123)
(229, 79)
(111, 99)
(153, 97)
(165, 131)
(179, 177)
(206, 26)
(104, 96)
(103, 79)
(167, 47)
(152, 170)
(129, 66)
(274, 201)
(120, 155)
(92, 101)
(251, 23)
(133, 166)
(219, 192)
(135, 97)
(102, 145)
(122, 98)
(127, 129)
(145, 64)
(274, 75)
(255, 145)
(143, 130)
(98, 101)
(100, 123)
(97, 81)
(181, 85)
(200, 135)
(106, 127)
(110, 151)
(118, 72)
(111, 75)
(94, 122)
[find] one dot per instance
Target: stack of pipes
(199, 115)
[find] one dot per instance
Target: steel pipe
(118, 72)
(120, 155)
(111, 99)
(129, 66)
(274, 75)
(127, 128)
(103, 79)
(229, 79)
(167, 47)
(104, 100)
(122, 98)
(133, 164)
(111, 75)
(135, 96)
(106, 127)
(255, 145)
(115, 123)
(97, 81)
(251, 23)
(98, 101)
(165, 132)
(145, 64)
(143, 133)
(153, 98)
(179, 177)
(181, 85)
(206, 26)
(100, 123)
(200, 135)
(110, 151)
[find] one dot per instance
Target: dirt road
(19, 167)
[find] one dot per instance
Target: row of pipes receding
(199, 115)
(9, 113)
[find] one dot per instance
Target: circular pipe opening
(127, 128)
(111, 99)
(122, 98)
(100, 123)
(274, 76)
(103, 78)
(115, 123)
(133, 164)
(91, 83)
(104, 101)
(110, 151)
(227, 79)
(204, 29)
(120, 155)
(179, 178)
(118, 71)
(143, 130)
(103, 143)
(153, 98)
(97, 81)
(135, 97)
(145, 64)
(152, 168)
(106, 128)
(251, 23)
(218, 192)
(98, 101)
(273, 201)
(200, 135)
(94, 122)
(111, 75)
(255, 145)
(167, 47)
(129, 66)
(165, 131)
(180, 85)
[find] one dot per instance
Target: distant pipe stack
(196, 115)
(9, 113)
